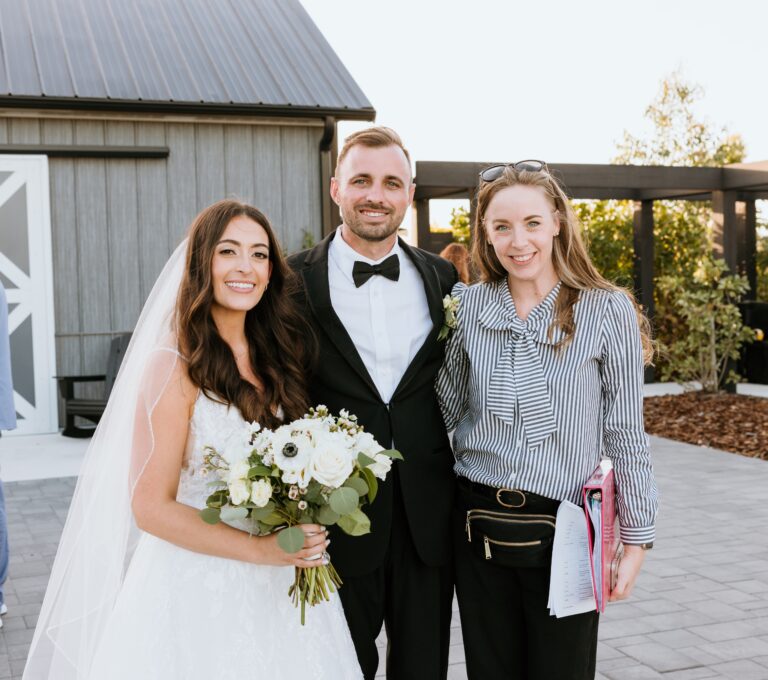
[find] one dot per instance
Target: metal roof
(168, 55)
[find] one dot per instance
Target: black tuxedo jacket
(411, 419)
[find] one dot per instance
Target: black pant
(507, 629)
(413, 601)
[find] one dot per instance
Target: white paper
(595, 509)
(570, 585)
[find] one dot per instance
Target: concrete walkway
(700, 609)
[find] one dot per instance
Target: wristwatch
(646, 546)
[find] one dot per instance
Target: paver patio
(699, 611)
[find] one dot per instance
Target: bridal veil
(100, 535)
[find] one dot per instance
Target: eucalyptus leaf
(373, 484)
(355, 523)
(230, 513)
(314, 491)
(358, 484)
(392, 453)
(327, 516)
(273, 519)
(210, 515)
(343, 500)
(259, 471)
(217, 499)
(291, 540)
(364, 461)
(259, 513)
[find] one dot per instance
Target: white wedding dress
(182, 615)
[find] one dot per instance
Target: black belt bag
(502, 530)
(511, 539)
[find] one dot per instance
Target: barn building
(119, 121)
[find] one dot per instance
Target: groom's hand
(311, 555)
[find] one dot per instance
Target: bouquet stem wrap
(312, 586)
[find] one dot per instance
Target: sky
(557, 80)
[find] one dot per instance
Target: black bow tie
(362, 271)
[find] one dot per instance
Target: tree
(714, 331)
(679, 137)
(607, 231)
(460, 225)
(762, 262)
(682, 229)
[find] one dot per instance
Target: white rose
(261, 492)
(331, 462)
(381, 466)
(238, 471)
(367, 444)
(239, 491)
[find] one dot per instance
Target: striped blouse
(529, 416)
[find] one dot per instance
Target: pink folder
(600, 511)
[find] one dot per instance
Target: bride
(141, 586)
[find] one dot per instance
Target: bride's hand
(311, 555)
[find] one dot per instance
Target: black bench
(91, 409)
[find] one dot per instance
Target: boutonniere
(450, 307)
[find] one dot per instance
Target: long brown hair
(458, 255)
(280, 344)
(569, 254)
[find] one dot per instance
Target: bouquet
(316, 470)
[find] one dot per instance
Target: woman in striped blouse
(543, 376)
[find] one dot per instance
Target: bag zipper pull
(487, 548)
(468, 529)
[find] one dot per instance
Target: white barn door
(26, 273)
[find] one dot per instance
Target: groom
(376, 307)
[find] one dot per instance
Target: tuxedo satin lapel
(435, 304)
(319, 296)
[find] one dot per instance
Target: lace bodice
(212, 423)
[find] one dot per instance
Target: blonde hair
(458, 255)
(569, 254)
(373, 137)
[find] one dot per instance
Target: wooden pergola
(733, 190)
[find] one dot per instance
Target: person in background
(7, 422)
(543, 377)
(458, 254)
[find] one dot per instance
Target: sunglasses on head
(493, 172)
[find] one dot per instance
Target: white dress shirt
(388, 321)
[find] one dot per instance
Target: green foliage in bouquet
(714, 331)
(316, 470)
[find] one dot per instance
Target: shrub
(714, 332)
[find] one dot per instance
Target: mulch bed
(731, 422)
